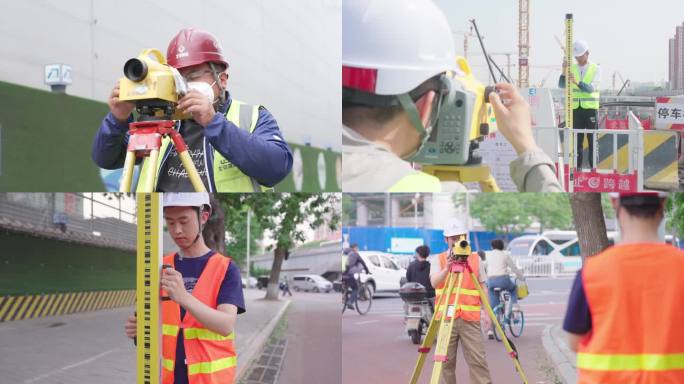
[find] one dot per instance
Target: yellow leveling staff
(568, 100)
(148, 270)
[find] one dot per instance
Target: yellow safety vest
(227, 177)
(588, 100)
(417, 182)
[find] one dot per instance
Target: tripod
(441, 328)
(145, 141)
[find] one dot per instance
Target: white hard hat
(579, 48)
(455, 227)
(390, 47)
(187, 199)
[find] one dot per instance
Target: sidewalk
(254, 327)
(564, 360)
(91, 347)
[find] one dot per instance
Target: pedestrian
(499, 267)
(236, 147)
(419, 272)
(467, 311)
(285, 287)
(395, 54)
(205, 291)
(624, 316)
(585, 77)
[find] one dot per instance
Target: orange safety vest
(210, 357)
(634, 292)
(469, 303)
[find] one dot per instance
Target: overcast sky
(630, 37)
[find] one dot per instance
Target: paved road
(376, 349)
(91, 347)
(314, 350)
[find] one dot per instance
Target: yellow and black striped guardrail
(32, 306)
(660, 157)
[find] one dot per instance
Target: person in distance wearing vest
(235, 146)
(584, 80)
(624, 316)
(467, 310)
(205, 292)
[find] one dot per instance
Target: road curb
(560, 355)
(257, 343)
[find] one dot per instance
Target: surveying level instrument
(148, 271)
(155, 88)
(441, 328)
(568, 100)
(451, 151)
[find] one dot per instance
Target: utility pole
(249, 226)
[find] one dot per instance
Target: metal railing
(548, 267)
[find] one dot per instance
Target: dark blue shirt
(578, 317)
(262, 154)
(230, 293)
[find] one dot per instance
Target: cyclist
(499, 266)
(355, 264)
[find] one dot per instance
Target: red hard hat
(192, 47)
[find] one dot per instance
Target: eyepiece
(135, 70)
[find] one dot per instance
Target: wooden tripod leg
(499, 327)
(445, 329)
(127, 176)
(428, 341)
(193, 175)
(150, 182)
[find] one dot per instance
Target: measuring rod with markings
(148, 271)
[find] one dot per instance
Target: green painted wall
(32, 265)
(46, 140)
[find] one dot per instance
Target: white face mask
(204, 88)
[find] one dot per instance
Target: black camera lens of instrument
(135, 70)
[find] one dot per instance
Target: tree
(285, 217)
(214, 232)
(550, 210)
(236, 226)
(348, 210)
(500, 212)
(674, 214)
(508, 213)
(587, 213)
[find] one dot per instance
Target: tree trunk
(272, 289)
(214, 231)
(587, 214)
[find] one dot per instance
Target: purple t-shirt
(230, 293)
(578, 317)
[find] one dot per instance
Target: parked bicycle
(364, 299)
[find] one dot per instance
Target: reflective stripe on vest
(636, 362)
(417, 182)
(469, 303)
(588, 100)
(210, 357)
(226, 176)
(207, 367)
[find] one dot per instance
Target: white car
(313, 283)
(385, 274)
